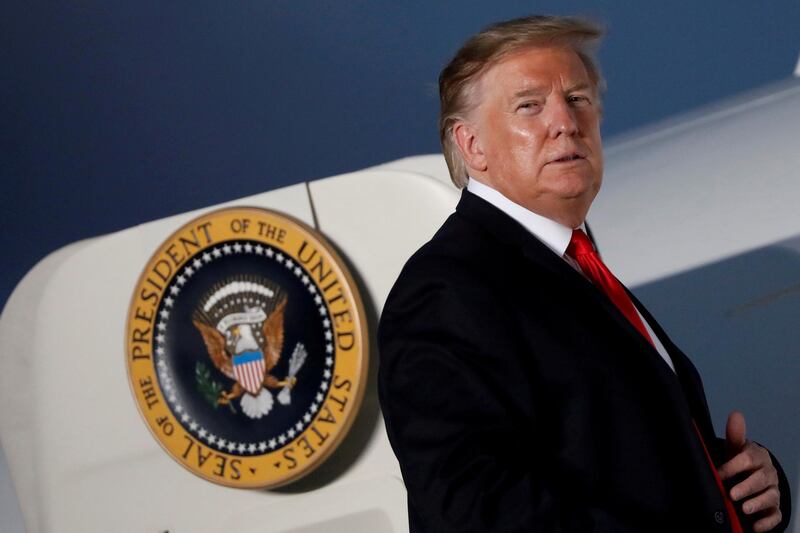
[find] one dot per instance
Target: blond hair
(457, 79)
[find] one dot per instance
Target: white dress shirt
(554, 235)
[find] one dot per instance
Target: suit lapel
(687, 375)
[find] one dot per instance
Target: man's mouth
(566, 158)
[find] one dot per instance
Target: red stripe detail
(248, 377)
(251, 370)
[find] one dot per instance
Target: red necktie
(581, 249)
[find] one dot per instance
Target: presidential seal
(246, 347)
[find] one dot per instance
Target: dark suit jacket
(518, 398)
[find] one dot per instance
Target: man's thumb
(735, 430)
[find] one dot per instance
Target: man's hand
(759, 491)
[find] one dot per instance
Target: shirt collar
(554, 235)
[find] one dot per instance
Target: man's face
(537, 133)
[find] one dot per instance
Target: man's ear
(466, 137)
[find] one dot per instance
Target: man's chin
(576, 189)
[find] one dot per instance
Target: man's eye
(578, 99)
(527, 107)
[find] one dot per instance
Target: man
(523, 388)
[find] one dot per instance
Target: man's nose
(561, 118)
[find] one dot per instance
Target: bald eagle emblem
(241, 321)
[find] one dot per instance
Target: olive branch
(208, 388)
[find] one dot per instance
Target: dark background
(117, 113)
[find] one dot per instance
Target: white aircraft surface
(698, 215)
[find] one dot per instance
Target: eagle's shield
(249, 368)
